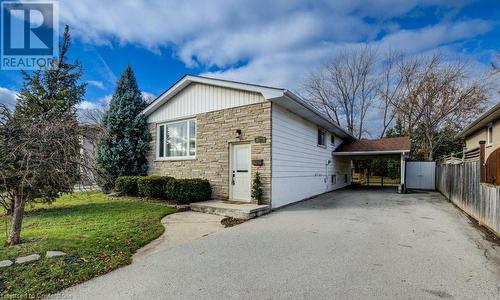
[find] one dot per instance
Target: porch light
(238, 133)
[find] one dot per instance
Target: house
(484, 134)
(88, 138)
(228, 131)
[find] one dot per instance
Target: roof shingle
(385, 144)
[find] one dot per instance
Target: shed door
(421, 175)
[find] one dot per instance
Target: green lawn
(98, 234)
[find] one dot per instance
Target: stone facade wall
(215, 133)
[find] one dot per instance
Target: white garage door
(421, 175)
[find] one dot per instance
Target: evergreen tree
(257, 191)
(396, 131)
(124, 146)
(39, 153)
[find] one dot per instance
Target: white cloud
(267, 42)
(86, 105)
(415, 41)
(148, 96)
(288, 67)
(8, 97)
(96, 83)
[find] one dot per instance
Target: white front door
(240, 173)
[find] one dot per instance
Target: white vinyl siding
(200, 98)
(299, 166)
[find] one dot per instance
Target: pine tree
(396, 131)
(40, 149)
(123, 149)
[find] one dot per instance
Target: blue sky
(260, 41)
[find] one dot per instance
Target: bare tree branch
(345, 88)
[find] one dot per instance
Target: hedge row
(182, 191)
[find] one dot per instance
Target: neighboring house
(227, 131)
(486, 129)
(88, 143)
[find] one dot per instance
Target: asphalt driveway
(348, 244)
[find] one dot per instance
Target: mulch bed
(230, 221)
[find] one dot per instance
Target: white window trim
(489, 136)
(189, 157)
(324, 138)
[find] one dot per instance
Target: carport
(397, 148)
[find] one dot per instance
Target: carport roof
(377, 146)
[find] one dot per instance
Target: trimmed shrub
(153, 186)
(127, 185)
(185, 191)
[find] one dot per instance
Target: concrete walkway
(181, 228)
(348, 244)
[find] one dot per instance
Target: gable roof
(489, 116)
(281, 96)
(384, 145)
(266, 91)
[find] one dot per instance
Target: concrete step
(244, 211)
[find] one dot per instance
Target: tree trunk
(430, 148)
(17, 220)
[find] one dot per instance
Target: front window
(490, 134)
(177, 139)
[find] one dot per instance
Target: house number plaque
(260, 140)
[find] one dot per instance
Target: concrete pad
(244, 211)
(27, 259)
(181, 228)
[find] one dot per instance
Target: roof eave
(482, 121)
(377, 152)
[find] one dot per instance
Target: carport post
(401, 188)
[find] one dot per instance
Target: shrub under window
(185, 191)
(127, 185)
(153, 186)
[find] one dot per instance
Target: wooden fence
(459, 182)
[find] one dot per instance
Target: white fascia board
(267, 92)
(369, 152)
